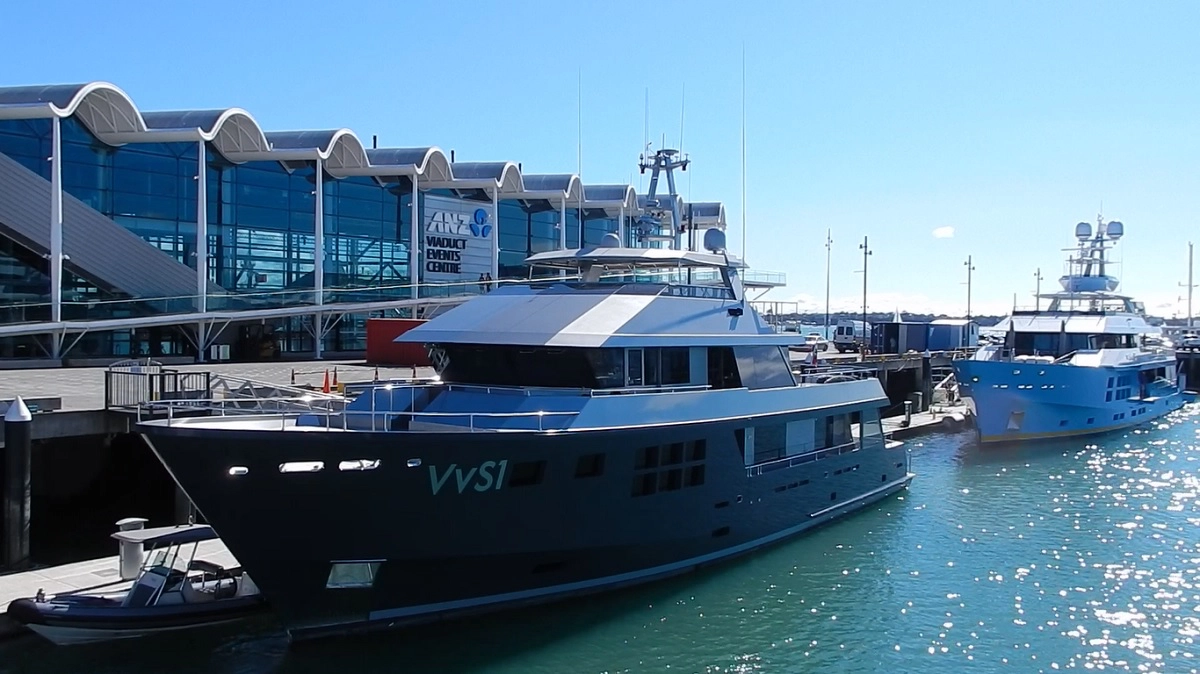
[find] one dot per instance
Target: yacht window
(871, 429)
(352, 574)
(722, 368)
(770, 442)
(763, 366)
(833, 431)
(608, 367)
(801, 436)
(676, 365)
(651, 367)
(502, 365)
(634, 370)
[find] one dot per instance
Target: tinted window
(676, 365)
(722, 368)
(769, 442)
(763, 366)
(526, 366)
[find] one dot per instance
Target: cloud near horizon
(943, 233)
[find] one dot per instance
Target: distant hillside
(809, 318)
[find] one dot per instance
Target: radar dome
(1083, 231)
(1115, 230)
(714, 240)
(610, 240)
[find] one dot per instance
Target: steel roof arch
(102, 107)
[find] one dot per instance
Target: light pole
(828, 248)
(1037, 293)
(1189, 286)
(970, 268)
(866, 252)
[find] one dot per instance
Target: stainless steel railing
(330, 415)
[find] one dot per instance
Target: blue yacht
(1078, 367)
(618, 424)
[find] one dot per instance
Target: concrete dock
(71, 402)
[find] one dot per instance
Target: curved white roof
(112, 116)
(709, 214)
(557, 188)
(486, 175)
(421, 161)
(231, 131)
(610, 196)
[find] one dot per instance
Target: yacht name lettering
(479, 478)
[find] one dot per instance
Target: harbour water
(1039, 558)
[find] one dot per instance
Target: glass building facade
(261, 241)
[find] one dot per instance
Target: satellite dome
(1115, 230)
(1083, 231)
(714, 240)
(610, 240)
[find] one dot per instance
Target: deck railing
(308, 413)
(807, 457)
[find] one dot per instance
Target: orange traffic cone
(325, 384)
(335, 377)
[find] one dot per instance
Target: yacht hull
(1017, 402)
(451, 523)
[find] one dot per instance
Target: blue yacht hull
(451, 523)
(1013, 401)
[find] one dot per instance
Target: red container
(381, 350)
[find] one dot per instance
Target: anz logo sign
(449, 223)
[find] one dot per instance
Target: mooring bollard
(907, 412)
(15, 484)
(130, 554)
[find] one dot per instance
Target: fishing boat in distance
(1080, 366)
(585, 433)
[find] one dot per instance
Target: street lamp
(828, 247)
(970, 268)
(866, 252)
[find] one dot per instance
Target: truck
(850, 335)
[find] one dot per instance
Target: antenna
(682, 108)
(645, 138)
(743, 151)
(579, 131)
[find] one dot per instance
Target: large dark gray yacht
(633, 419)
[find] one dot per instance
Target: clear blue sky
(1008, 121)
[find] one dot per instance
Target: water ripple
(1069, 555)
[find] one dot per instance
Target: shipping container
(381, 350)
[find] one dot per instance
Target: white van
(850, 335)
